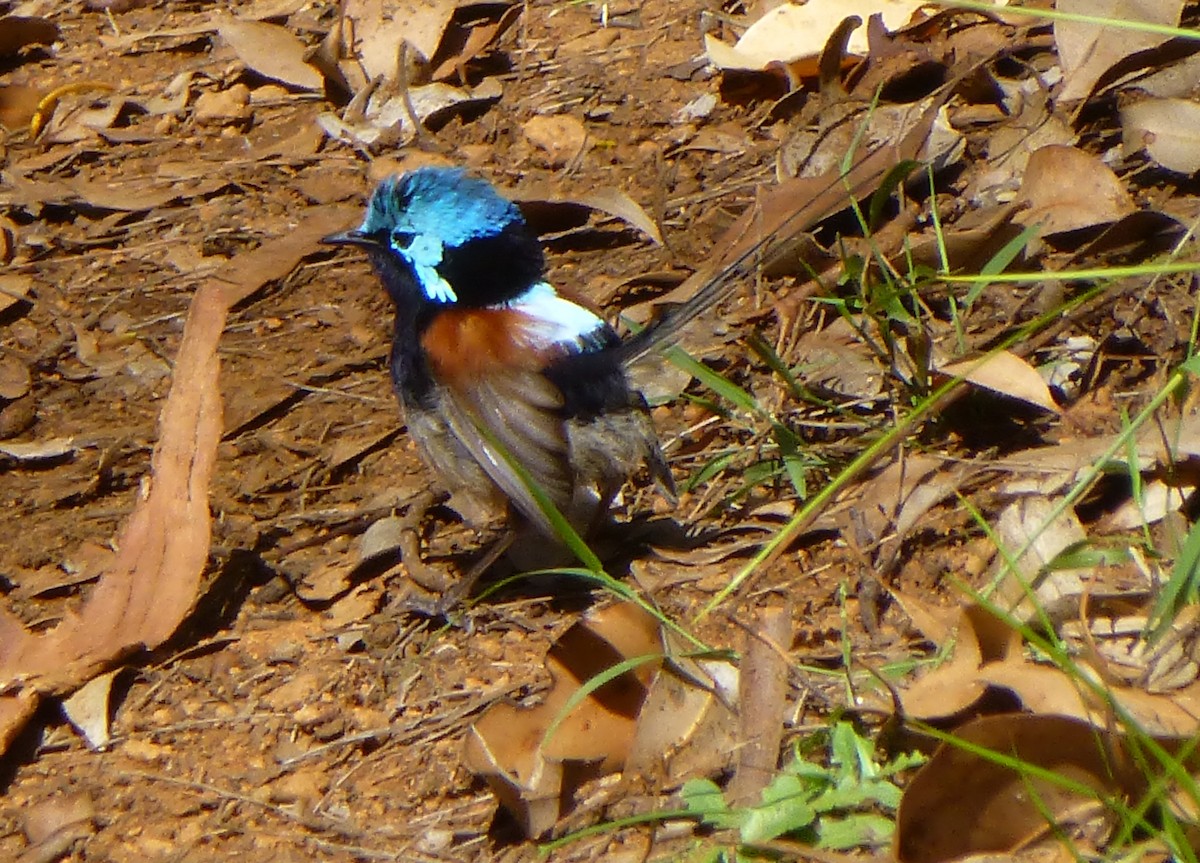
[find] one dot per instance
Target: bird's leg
(453, 595)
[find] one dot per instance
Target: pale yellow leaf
(1168, 129)
(1007, 374)
(790, 32)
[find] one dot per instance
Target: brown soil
(298, 716)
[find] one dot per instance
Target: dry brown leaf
(1043, 690)
(140, 600)
(1157, 499)
(896, 497)
(960, 803)
(953, 686)
(389, 121)
(616, 203)
(18, 105)
(480, 36)
(1067, 189)
(790, 33)
(15, 378)
(272, 51)
(936, 623)
(533, 776)
(16, 32)
(1033, 534)
(662, 721)
(1006, 373)
(837, 359)
(87, 709)
(382, 26)
(1168, 129)
(38, 450)
(762, 693)
(1087, 50)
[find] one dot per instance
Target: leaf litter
(330, 723)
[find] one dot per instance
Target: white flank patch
(556, 320)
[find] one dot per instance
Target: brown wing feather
(520, 411)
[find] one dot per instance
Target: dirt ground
(300, 714)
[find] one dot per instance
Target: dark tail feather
(759, 236)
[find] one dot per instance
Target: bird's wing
(517, 413)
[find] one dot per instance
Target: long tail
(759, 237)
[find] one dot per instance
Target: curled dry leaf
(1168, 129)
(655, 719)
(1005, 373)
(39, 450)
(87, 709)
(954, 686)
(607, 199)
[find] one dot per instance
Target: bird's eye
(402, 239)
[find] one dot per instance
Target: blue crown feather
(430, 211)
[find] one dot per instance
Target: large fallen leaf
(1088, 49)
(154, 580)
(1168, 129)
(1066, 189)
(655, 719)
(1006, 373)
(790, 33)
(272, 51)
(962, 803)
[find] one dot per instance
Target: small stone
(223, 106)
(561, 137)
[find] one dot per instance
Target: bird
(499, 373)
